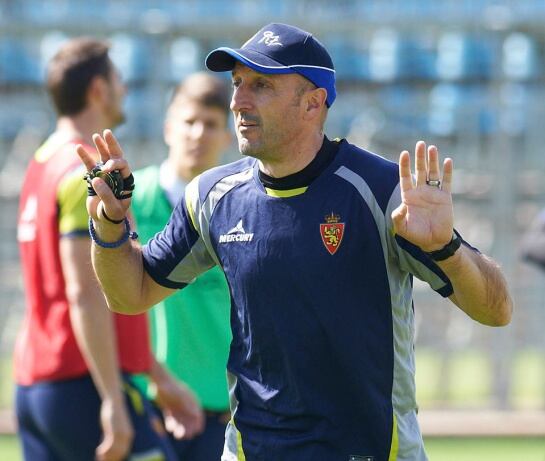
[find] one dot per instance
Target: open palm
(425, 215)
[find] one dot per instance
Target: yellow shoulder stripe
(191, 197)
(51, 146)
(71, 197)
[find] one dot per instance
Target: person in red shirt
(74, 359)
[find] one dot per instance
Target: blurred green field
(469, 380)
(485, 449)
(9, 448)
(6, 382)
(439, 449)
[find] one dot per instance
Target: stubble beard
(118, 118)
(115, 110)
(250, 149)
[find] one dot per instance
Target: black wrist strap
(448, 250)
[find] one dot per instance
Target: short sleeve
(71, 198)
(175, 256)
(410, 258)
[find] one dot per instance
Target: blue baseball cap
(280, 49)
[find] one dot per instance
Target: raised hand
(111, 155)
(425, 215)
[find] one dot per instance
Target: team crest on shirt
(332, 232)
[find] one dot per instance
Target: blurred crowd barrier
(467, 76)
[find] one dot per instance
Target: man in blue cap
(319, 241)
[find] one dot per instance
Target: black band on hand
(128, 182)
(107, 218)
(128, 187)
(448, 250)
(90, 191)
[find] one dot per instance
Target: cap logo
(270, 39)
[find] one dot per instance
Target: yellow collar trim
(286, 193)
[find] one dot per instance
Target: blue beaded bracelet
(128, 234)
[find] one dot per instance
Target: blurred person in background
(73, 358)
(190, 330)
(319, 241)
(533, 241)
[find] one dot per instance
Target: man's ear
(315, 100)
(98, 91)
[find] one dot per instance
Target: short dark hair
(71, 70)
(204, 89)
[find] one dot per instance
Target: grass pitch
(438, 449)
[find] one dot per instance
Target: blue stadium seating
(350, 59)
(395, 57)
(144, 114)
(461, 56)
(520, 57)
(131, 55)
(49, 45)
(515, 100)
(461, 108)
(185, 57)
(19, 61)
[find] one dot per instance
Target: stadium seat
(185, 57)
(443, 105)
(394, 57)
(38, 12)
(49, 45)
(461, 108)
(463, 57)
(145, 114)
(520, 57)
(130, 54)
(405, 109)
(19, 63)
(514, 99)
(350, 58)
(81, 11)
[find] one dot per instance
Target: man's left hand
(425, 215)
(183, 415)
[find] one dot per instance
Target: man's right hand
(111, 155)
(117, 432)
